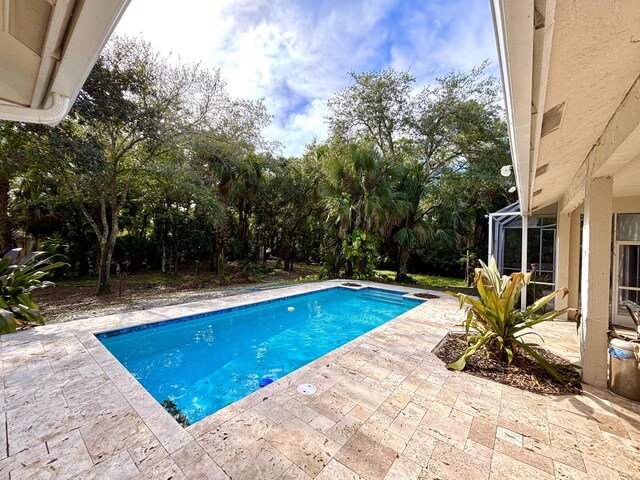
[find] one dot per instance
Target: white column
(490, 249)
(523, 258)
(596, 267)
(563, 236)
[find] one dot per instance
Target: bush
(257, 269)
(17, 281)
(493, 322)
(360, 249)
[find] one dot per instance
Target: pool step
(383, 297)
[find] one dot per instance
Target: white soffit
(47, 49)
(594, 63)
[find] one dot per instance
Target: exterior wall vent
(542, 169)
(538, 19)
(537, 192)
(552, 119)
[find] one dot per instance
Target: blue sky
(295, 54)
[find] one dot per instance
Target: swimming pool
(205, 362)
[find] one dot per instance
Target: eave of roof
(76, 34)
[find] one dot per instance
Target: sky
(296, 53)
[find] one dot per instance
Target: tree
(375, 108)
(439, 131)
(177, 195)
(134, 107)
(233, 151)
(18, 146)
(287, 204)
(360, 195)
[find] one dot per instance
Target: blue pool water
(207, 362)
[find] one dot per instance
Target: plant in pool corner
(17, 280)
(174, 411)
(494, 323)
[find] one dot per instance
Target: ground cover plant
(18, 279)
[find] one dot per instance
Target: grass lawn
(72, 299)
(75, 298)
(428, 281)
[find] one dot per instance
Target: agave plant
(17, 280)
(494, 323)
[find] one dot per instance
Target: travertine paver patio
(385, 408)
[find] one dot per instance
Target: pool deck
(386, 408)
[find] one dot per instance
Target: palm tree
(423, 220)
(360, 194)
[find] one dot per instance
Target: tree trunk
(5, 228)
(287, 259)
(104, 267)
(402, 265)
(220, 263)
(212, 254)
(221, 243)
(349, 269)
(107, 236)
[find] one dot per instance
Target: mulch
(524, 372)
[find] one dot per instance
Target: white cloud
(295, 54)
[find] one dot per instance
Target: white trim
(513, 24)
(51, 115)
(524, 258)
(90, 34)
(57, 26)
(58, 83)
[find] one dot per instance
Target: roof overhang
(47, 50)
(514, 38)
(571, 79)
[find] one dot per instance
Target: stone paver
(386, 408)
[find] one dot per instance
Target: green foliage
(157, 166)
(360, 249)
(447, 143)
(257, 269)
(426, 281)
(493, 322)
(17, 281)
(333, 263)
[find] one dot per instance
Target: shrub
(17, 280)
(494, 323)
(360, 249)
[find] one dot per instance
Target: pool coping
(160, 323)
(169, 433)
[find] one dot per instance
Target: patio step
(383, 297)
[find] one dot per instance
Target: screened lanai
(531, 251)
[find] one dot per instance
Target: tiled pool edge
(168, 432)
(222, 311)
